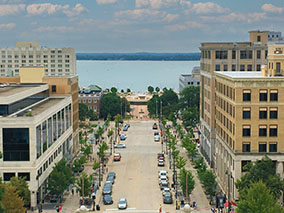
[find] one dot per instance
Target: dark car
(107, 190)
(160, 156)
(107, 199)
(167, 198)
(123, 137)
(125, 128)
(110, 179)
(156, 133)
(155, 126)
(88, 202)
(111, 174)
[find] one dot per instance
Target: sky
(135, 25)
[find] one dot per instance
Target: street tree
(190, 146)
(113, 90)
(22, 188)
(11, 201)
(122, 90)
(185, 176)
(86, 150)
(60, 178)
(2, 191)
(110, 105)
(128, 90)
(153, 105)
(83, 109)
(150, 89)
(208, 180)
(190, 117)
(169, 100)
(189, 97)
(96, 165)
(180, 162)
(258, 198)
(157, 89)
(88, 181)
(93, 116)
(264, 171)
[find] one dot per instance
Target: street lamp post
(156, 108)
(161, 111)
(39, 195)
(229, 196)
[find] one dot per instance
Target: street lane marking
(119, 210)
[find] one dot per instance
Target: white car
(156, 138)
(163, 172)
(122, 203)
(163, 178)
(161, 163)
(120, 145)
(166, 190)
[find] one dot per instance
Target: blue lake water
(136, 75)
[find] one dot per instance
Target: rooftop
(242, 74)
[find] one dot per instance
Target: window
(246, 147)
(246, 131)
(66, 61)
(53, 88)
(225, 67)
(233, 67)
(16, 144)
(8, 176)
(273, 113)
(249, 67)
(263, 113)
(67, 56)
(95, 108)
(246, 54)
(273, 131)
(221, 54)
(25, 175)
(258, 38)
(262, 147)
(258, 67)
(246, 95)
(246, 113)
(263, 95)
(217, 67)
(244, 163)
(233, 54)
(89, 107)
(258, 54)
(45, 56)
(273, 95)
(38, 141)
(262, 131)
(272, 147)
(242, 67)
(266, 52)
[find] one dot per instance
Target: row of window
(228, 124)
(226, 106)
(263, 95)
(227, 138)
(50, 130)
(89, 100)
(262, 147)
(242, 67)
(263, 113)
(226, 90)
(8, 175)
(244, 54)
(273, 129)
(95, 108)
(31, 61)
(33, 56)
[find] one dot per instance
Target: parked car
(160, 156)
(107, 189)
(110, 179)
(122, 203)
(156, 133)
(123, 137)
(111, 174)
(161, 163)
(164, 184)
(88, 203)
(155, 126)
(126, 126)
(107, 199)
(120, 145)
(166, 190)
(167, 198)
(156, 138)
(163, 173)
(163, 178)
(117, 157)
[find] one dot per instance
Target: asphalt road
(137, 172)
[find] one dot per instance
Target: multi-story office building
(56, 61)
(249, 119)
(36, 131)
(193, 79)
(91, 97)
(233, 56)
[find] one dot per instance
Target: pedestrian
(72, 191)
(57, 209)
(60, 208)
(212, 210)
(77, 191)
(194, 204)
(160, 208)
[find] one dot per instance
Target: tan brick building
(248, 119)
(233, 56)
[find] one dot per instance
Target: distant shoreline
(138, 56)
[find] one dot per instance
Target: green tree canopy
(190, 181)
(208, 180)
(150, 89)
(113, 90)
(110, 105)
(258, 199)
(60, 178)
(190, 117)
(83, 109)
(189, 97)
(11, 201)
(22, 188)
(88, 181)
(264, 171)
(157, 89)
(128, 90)
(153, 105)
(169, 102)
(93, 116)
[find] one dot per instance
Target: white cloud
(141, 14)
(256, 17)
(186, 26)
(156, 4)
(39, 9)
(171, 17)
(235, 17)
(75, 11)
(208, 7)
(61, 29)
(269, 8)
(106, 1)
(7, 26)
(11, 9)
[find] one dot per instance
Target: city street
(137, 172)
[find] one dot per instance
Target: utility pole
(156, 108)
(82, 189)
(229, 202)
(121, 108)
(161, 109)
